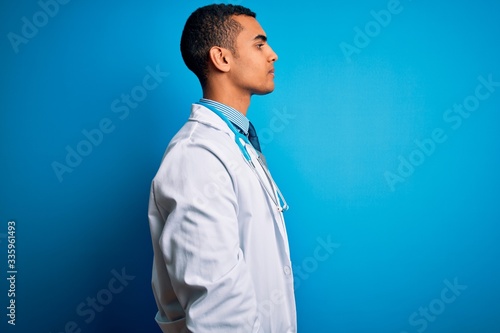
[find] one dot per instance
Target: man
(221, 257)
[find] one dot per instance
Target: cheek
(252, 62)
(250, 70)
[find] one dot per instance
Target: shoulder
(203, 129)
(204, 143)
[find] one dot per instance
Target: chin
(264, 91)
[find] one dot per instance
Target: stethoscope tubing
(242, 143)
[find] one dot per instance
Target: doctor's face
(252, 68)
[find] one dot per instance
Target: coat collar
(201, 114)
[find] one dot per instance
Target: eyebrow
(261, 37)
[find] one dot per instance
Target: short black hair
(206, 27)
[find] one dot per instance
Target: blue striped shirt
(234, 116)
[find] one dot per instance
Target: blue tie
(254, 140)
(252, 137)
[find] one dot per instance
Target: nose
(273, 57)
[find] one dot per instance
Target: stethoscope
(242, 142)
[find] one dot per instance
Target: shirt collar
(234, 116)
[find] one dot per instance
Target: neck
(229, 97)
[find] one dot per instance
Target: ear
(220, 58)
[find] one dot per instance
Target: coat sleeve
(200, 242)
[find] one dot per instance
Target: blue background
(351, 119)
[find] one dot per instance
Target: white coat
(221, 255)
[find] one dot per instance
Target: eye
(259, 46)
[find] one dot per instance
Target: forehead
(251, 28)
